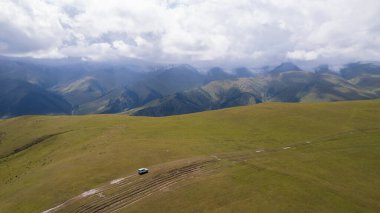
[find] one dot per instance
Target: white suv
(142, 171)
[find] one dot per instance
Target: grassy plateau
(313, 157)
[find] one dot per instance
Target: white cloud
(302, 55)
(255, 31)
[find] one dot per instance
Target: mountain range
(72, 86)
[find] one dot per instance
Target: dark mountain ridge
(140, 88)
(22, 98)
(287, 86)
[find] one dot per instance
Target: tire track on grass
(126, 191)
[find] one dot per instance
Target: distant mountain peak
(217, 73)
(242, 72)
(284, 67)
(353, 70)
(176, 67)
(215, 70)
(324, 69)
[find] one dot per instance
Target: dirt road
(125, 191)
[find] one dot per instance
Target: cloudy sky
(237, 31)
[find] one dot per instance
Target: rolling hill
(285, 83)
(81, 91)
(285, 86)
(154, 86)
(215, 95)
(271, 157)
(364, 75)
(22, 98)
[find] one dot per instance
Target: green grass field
(45, 160)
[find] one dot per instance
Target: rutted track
(133, 188)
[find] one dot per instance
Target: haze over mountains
(140, 88)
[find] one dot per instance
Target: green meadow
(45, 160)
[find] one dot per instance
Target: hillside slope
(143, 88)
(81, 91)
(274, 157)
(22, 98)
(284, 86)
